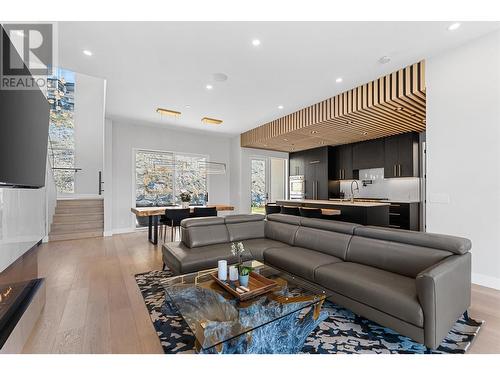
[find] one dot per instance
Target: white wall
(463, 150)
(108, 178)
(89, 132)
(127, 136)
(241, 173)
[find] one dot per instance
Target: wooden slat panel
(393, 104)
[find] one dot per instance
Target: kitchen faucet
(352, 190)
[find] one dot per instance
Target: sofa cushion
(201, 221)
(456, 245)
(243, 218)
(243, 227)
(330, 225)
(325, 241)
(257, 246)
(282, 228)
(282, 218)
(204, 231)
(404, 259)
(388, 292)
(298, 260)
(182, 259)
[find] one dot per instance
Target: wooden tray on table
(257, 284)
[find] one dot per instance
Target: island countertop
(331, 203)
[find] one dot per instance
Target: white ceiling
(168, 64)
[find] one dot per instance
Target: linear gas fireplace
(15, 298)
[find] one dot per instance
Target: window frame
(174, 153)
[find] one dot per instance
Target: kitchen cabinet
(404, 215)
(313, 165)
(296, 163)
(401, 156)
(368, 154)
(316, 173)
(340, 163)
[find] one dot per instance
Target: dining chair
(290, 210)
(172, 219)
(314, 213)
(204, 211)
(272, 209)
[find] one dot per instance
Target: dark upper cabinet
(313, 165)
(296, 163)
(340, 162)
(368, 154)
(401, 156)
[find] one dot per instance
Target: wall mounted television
(24, 126)
(24, 130)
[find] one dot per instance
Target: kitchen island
(365, 213)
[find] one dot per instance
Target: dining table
(154, 213)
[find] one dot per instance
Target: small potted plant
(237, 249)
(243, 271)
(244, 274)
(185, 198)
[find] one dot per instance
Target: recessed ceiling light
(338, 80)
(285, 139)
(219, 77)
(168, 112)
(209, 87)
(398, 108)
(87, 52)
(349, 122)
(188, 106)
(211, 121)
(454, 26)
(364, 133)
(314, 132)
(256, 42)
(384, 59)
(280, 107)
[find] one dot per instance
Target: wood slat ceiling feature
(389, 105)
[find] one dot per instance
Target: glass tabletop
(215, 316)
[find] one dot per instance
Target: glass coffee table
(276, 322)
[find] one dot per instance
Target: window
(61, 89)
(160, 177)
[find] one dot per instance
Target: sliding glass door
(268, 182)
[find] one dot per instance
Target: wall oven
(297, 187)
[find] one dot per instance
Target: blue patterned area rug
(342, 332)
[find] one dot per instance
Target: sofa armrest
(444, 291)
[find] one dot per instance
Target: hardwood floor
(93, 303)
(94, 306)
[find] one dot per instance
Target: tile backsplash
(404, 189)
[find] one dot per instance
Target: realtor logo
(26, 56)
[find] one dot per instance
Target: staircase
(77, 218)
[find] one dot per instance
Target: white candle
(233, 273)
(222, 268)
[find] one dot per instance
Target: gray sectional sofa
(415, 283)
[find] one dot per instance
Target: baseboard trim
(123, 230)
(487, 281)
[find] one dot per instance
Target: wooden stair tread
(75, 236)
(77, 218)
(75, 227)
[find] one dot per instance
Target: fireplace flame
(5, 294)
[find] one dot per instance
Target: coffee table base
(284, 336)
